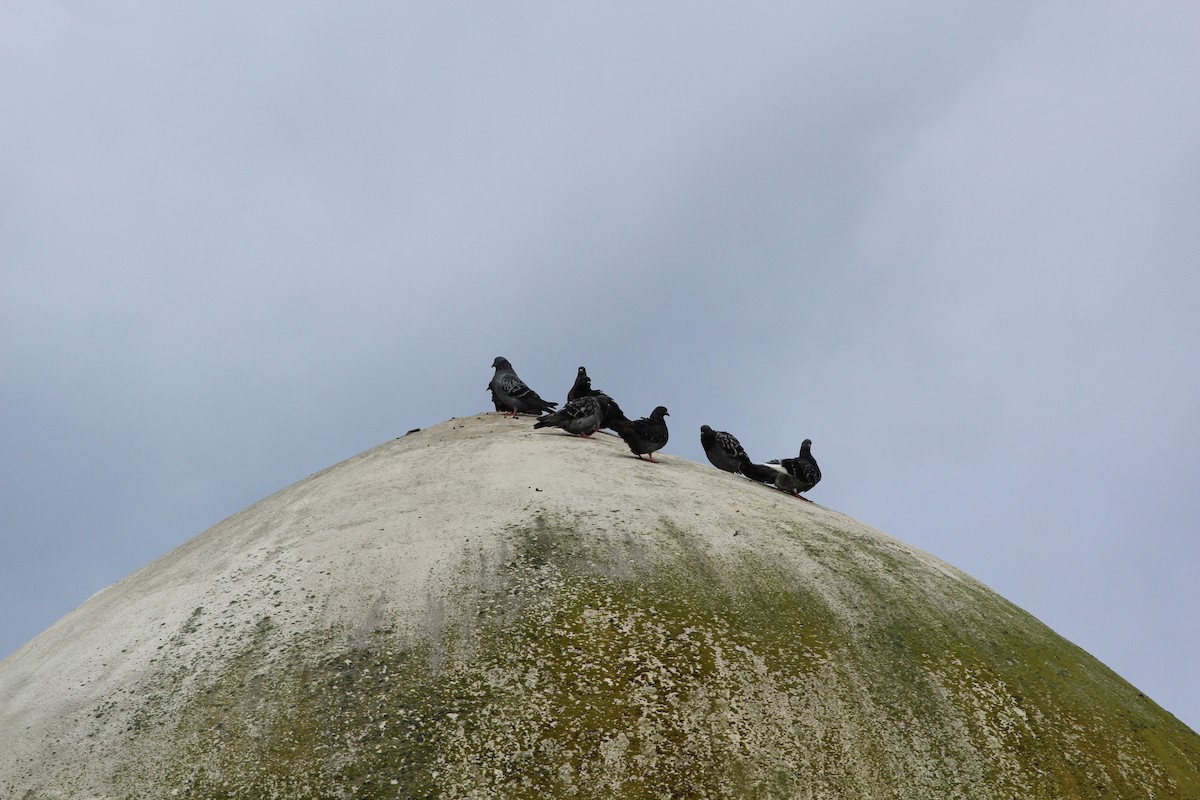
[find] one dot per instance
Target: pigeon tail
(759, 472)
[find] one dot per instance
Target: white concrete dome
(482, 610)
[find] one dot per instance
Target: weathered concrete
(481, 610)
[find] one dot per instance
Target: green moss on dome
(566, 666)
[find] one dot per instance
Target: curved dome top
(484, 610)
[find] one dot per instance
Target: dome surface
(481, 610)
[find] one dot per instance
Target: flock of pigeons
(587, 410)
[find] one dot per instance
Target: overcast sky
(954, 244)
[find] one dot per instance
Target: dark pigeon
(511, 392)
(802, 469)
(583, 415)
(644, 436)
(613, 415)
(582, 386)
(723, 450)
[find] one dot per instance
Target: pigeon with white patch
(511, 392)
(803, 470)
(646, 435)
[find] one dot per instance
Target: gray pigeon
(723, 450)
(583, 415)
(644, 436)
(511, 392)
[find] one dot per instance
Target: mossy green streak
(590, 672)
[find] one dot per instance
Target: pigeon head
(659, 412)
(705, 429)
(501, 363)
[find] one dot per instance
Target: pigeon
(613, 415)
(803, 470)
(511, 392)
(723, 450)
(644, 436)
(583, 415)
(582, 386)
